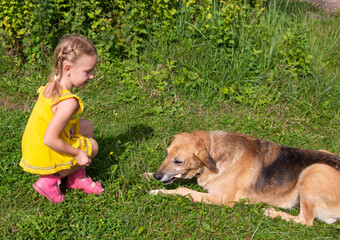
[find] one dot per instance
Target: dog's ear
(202, 146)
(207, 160)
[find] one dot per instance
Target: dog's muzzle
(161, 177)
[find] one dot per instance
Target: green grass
(176, 85)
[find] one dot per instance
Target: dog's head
(186, 157)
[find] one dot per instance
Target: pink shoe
(79, 180)
(48, 186)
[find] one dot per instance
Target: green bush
(118, 28)
(256, 50)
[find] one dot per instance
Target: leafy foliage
(118, 28)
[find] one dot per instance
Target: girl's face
(82, 71)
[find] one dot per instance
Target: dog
(233, 166)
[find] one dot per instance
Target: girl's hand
(83, 159)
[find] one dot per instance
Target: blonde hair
(71, 48)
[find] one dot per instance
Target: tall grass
(181, 81)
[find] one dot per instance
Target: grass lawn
(181, 85)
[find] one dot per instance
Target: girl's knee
(85, 128)
(95, 147)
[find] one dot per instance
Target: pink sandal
(49, 187)
(79, 180)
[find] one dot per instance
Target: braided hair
(70, 48)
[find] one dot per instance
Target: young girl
(55, 143)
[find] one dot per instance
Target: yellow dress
(39, 159)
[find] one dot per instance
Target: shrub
(31, 29)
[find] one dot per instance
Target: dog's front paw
(147, 175)
(270, 212)
(155, 192)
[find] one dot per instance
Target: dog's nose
(158, 176)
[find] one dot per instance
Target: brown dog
(234, 166)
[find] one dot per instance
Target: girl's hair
(71, 48)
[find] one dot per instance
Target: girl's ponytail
(53, 88)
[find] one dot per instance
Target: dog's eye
(177, 161)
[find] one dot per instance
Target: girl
(55, 143)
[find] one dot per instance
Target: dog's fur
(234, 166)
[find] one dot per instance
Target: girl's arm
(63, 112)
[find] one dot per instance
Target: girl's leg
(85, 129)
(94, 147)
(64, 173)
(77, 178)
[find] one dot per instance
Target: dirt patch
(7, 103)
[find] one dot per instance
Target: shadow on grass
(111, 148)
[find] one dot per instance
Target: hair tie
(68, 52)
(55, 78)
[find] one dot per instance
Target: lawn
(278, 80)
